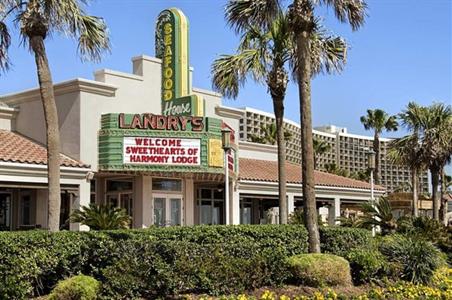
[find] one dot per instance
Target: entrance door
(211, 206)
(122, 200)
(167, 209)
(5, 211)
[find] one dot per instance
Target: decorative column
(290, 203)
(235, 205)
(82, 199)
(334, 212)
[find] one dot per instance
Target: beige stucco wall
(30, 122)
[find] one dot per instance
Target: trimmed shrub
(152, 262)
(79, 287)
(366, 265)
(341, 240)
(319, 270)
(411, 259)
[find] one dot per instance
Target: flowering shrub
(440, 289)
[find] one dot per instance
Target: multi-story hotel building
(348, 151)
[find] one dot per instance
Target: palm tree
(437, 149)
(263, 54)
(406, 150)
(309, 62)
(378, 120)
(335, 169)
(102, 217)
(320, 147)
(379, 214)
(38, 19)
(268, 135)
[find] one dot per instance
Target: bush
(413, 259)
(79, 287)
(102, 217)
(429, 229)
(341, 240)
(319, 270)
(151, 262)
(366, 265)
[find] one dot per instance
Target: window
(119, 185)
(120, 194)
(211, 206)
(171, 185)
(167, 210)
(25, 210)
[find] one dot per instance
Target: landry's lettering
(157, 122)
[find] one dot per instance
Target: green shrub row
(160, 261)
(151, 262)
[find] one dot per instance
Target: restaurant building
(149, 142)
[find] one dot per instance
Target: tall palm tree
(406, 150)
(304, 26)
(38, 19)
(378, 120)
(268, 135)
(320, 147)
(264, 54)
(437, 149)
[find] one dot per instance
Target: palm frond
(379, 214)
(349, 11)
(93, 38)
(101, 217)
(69, 18)
(230, 71)
(242, 13)
(328, 54)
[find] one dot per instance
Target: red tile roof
(20, 149)
(263, 170)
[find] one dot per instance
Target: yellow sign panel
(215, 153)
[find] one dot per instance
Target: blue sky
(403, 53)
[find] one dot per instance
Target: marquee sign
(171, 46)
(162, 151)
(147, 142)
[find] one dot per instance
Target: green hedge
(150, 262)
(341, 240)
(160, 261)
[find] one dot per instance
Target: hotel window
(120, 194)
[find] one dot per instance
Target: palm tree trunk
(443, 206)
(52, 133)
(414, 184)
(435, 199)
(307, 152)
(278, 106)
(376, 146)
